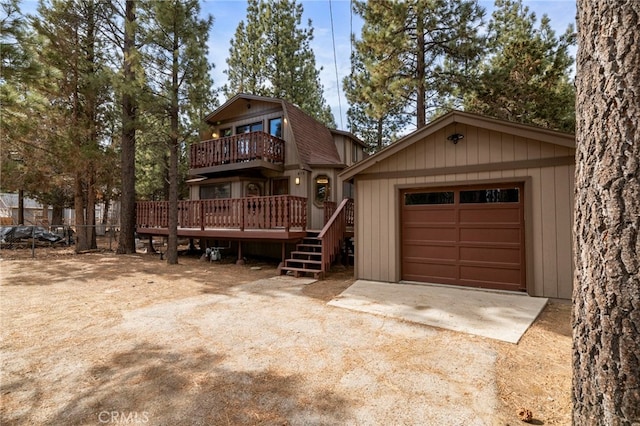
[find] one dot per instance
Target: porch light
(297, 180)
(215, 135)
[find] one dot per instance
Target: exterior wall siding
(548, 202)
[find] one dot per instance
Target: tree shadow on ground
(162, 386)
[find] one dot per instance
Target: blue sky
(228, 13)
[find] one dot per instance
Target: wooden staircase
(318, 250)
(306, 258)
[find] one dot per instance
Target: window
(253, 190)
(225, 132)
(322, 190)
(217, 190)
(253, 127)
(348, 190)
(510, 195)
(280, 186)
(421, 198)
(275, 127)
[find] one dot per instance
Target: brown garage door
(471, 236)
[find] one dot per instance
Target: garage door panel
(490, 235)
(490, 254)
(427, 271)
(429, 251)
(490, 274)
(429, 233)
(472, 240)
(489, 215)
(422, 215)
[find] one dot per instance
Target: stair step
(298, 272)
(302, 261)
(314, 246)
(306, 253)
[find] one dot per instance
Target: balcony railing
(272, 212)
(237, 149)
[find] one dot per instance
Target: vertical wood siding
(550, 207)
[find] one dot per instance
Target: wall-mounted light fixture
(297, 180)
(215, 135)
(455, 138)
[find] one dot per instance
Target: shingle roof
(314, 141)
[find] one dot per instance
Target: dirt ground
(88, 337)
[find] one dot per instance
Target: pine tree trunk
(172, 241)
(57, 215)
(20, 207)
(91, 210)
(82, 242)
(606, 310)
(421, 105)
(126, 240)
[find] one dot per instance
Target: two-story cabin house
(264, 177)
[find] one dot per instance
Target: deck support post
(151, 248)
(283, 257)
(240, 260)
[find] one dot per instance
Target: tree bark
(172, 240)
(20, 207)
(82, 242)
(57, 215)
(126, 239)
(421, 105)
(606, 298)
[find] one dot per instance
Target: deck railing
(331, 206)
(333, 233)
(272, 212)
(237, 149)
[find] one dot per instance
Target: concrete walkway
(497, 315)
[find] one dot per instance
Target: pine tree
(74, 48)
(376, 127)
(19, 102)
(130, 66)
(179, 74)
(606, 296)
(409, 49)
(526, 77)
(270, 55)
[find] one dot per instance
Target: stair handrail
(332, 234)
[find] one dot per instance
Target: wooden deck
(271, 235)
(273, 218)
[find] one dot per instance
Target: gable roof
(313, 141)
(526, 131)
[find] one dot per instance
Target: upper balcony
(244, 151)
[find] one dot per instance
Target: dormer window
(275, 127)
(253, 127)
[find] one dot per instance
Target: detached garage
(468, 201)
